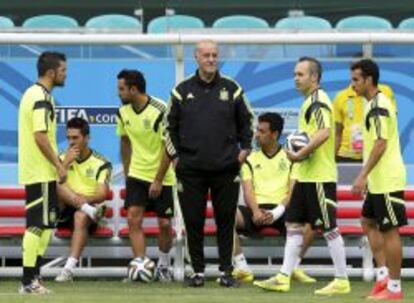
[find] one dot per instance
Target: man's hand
(62, 173)
(243, 154)
(267, 218)
(293, 156)
(155, 189)
(258, 217)
(360, 184)
(72, 154)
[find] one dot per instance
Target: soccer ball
(296, 141)
(141, 269)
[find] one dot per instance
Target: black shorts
(313, 203)
(137, 195)
(41, 205)
(388, 209)
(67, 219)
(251, 229)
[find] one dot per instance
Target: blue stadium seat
(305, 23)
(240, 21)
(113, 21)
(364, 23)
(165, 24)
(46, 22)
(368, 23)
(50, 21)
(407, 24)
(404, 50)
(6, 22)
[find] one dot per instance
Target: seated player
(266, 181)
(87, 184)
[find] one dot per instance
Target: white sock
(241, 262)
(89, 210)
(337, 251)
(163, 259)
(298, 261)
(293, 247)
(71, 263)
(382, 273)
(394, 285)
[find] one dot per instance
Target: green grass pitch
(106, 291)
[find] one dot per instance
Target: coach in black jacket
(209, 133)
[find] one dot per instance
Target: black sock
(28, 275)
(39, 262)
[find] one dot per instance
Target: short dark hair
(79, 123)
(314, 66)
(133, 78)
(49, 60)
(368, 69)
(275, 120)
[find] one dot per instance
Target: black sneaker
(195, 280)
(227, 280)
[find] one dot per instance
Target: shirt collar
(207, 84)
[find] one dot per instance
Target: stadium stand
(405, 50)
(305, 23)
(165, 24)
(113, 21)
(236, 23)
(50, 22)
(6, 22)
(240, 22)
(363, 23)
(173, 23)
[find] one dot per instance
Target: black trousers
(192, 190)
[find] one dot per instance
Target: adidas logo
(169, 211)
(385, 221)
(318, 222)
(190, 96)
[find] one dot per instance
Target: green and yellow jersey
(270, 176)
(349, 112)
(36, 114)
(145, 130)
(315, 114)
(84, 176)
(381, 122)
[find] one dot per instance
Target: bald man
(209, 133)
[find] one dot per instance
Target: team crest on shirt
(147, 123)
(258, 166)
(90, 172)
(224, 94)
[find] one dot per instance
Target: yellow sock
(31, 242)
(44, 241)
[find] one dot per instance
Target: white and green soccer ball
(141, 269)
